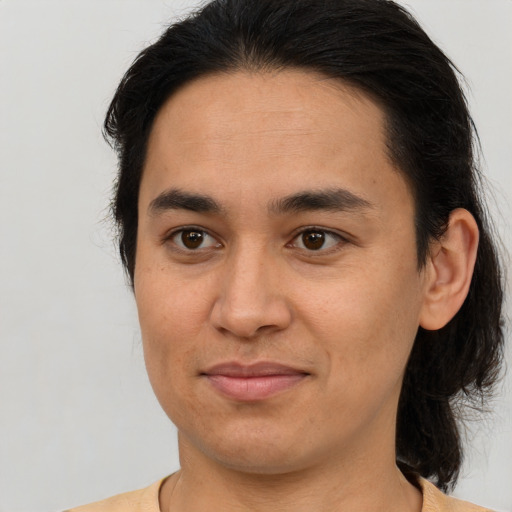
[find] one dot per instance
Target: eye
(315, 239)
(192, 239)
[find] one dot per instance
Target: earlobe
(450, 269)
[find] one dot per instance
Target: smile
(255, 382)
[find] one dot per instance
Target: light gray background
(78, 420)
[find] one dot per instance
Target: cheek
(171, 317)
(169, 305)
(368, 320)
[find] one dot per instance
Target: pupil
(192, 239)
(313, 240)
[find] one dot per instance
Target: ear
(450, 269)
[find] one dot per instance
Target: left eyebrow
(338, 200)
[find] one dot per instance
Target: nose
(250, 301)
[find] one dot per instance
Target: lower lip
(251, 389)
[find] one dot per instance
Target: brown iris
(313, 240)
(192, 239)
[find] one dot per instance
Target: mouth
(255, 382)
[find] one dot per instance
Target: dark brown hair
(377, 46)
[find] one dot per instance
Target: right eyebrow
(175, 199)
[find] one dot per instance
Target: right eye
(193, 239)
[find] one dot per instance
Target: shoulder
(435, 501)
(142, 500)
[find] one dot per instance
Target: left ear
(449, 270)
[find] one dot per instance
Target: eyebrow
(175, 199)
(337, 199)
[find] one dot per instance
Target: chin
(256, 450)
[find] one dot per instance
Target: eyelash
(190, 229)
(340, 240)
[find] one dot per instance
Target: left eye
(316, 239)
(193, 239)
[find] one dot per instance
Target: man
(315, 280)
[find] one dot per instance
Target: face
(276, 276)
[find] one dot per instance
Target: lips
(250, 383)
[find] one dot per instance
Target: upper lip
(259, 369)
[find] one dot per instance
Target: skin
(343, 315)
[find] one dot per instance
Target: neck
(367, 483)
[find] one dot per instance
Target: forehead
(236, 133)
(231, 107)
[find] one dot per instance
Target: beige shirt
(146, 500)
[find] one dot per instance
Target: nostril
(252, 321)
